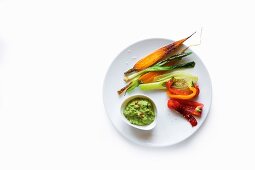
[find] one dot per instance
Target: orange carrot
(157, 55)
(149, 77)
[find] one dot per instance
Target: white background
(53, 58)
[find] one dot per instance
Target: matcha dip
(139, 111)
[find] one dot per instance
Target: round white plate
(171, 127)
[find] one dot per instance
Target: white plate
(171, 127)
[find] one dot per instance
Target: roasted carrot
(157, 55)
(149, 77)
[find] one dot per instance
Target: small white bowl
(146, 127)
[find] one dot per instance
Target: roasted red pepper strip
(174, 104)
(189, 103)
(195, 108)
(196, 111)
(192, 107)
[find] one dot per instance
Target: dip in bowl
(139, 111)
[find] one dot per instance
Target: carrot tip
(191, 35)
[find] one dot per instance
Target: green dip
(139, 111)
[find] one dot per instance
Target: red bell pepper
(187, 109)
(185, 94)
(173, 104)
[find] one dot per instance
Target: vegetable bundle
(157, 71)
(157, 55)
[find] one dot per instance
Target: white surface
(51, 96)
(171, 128)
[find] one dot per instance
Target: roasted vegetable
(160, 68)
(186, 93)
(149, 77)
(195, 108)
(135, 80)
(169, 59)
(192, 107)
(156, 56)
(183, 79)
(129, 87)
(175, 105)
